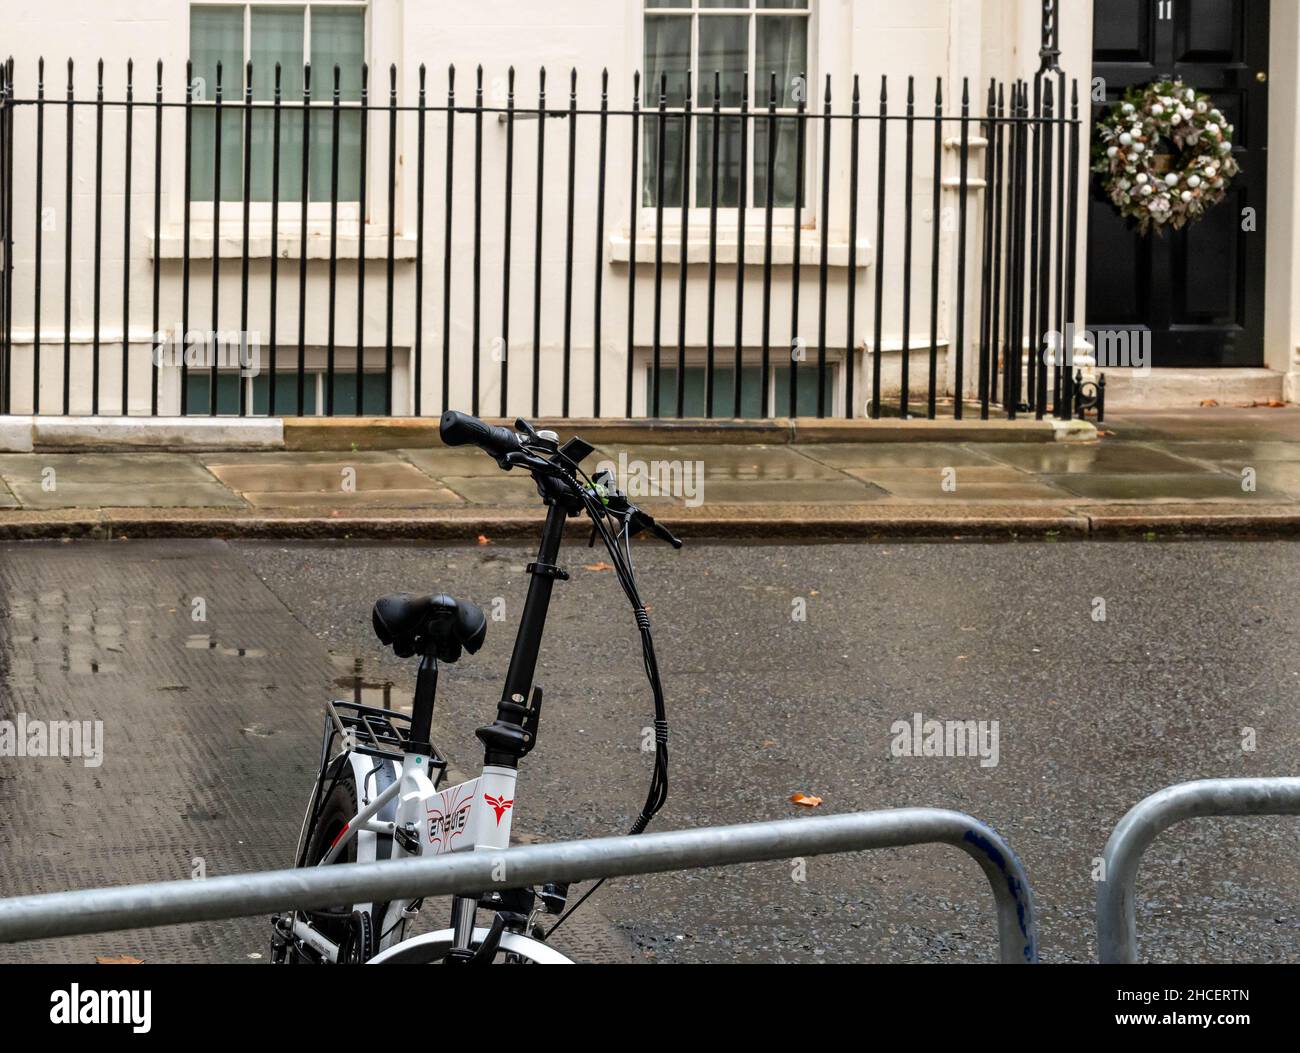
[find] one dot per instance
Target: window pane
(216, 35)
(724, 396)
(672, 177)
(373, 388)
(667, 53)
(667, 3)
(784, 162)
(729, 174)
(338, 37)
(807, 398)
(286, 393)
(781, 47)
(724, 48)
(277, 36)
(724, 3)
(322, 139)
(801, 5)
(198, 386)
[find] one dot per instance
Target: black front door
(1200, 290)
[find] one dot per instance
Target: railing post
(1145, 821)
(1049, 52)
(9, 236)
(49, 915)
(6, 239)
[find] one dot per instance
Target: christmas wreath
(1165, 155)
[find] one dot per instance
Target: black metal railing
(1000, 277)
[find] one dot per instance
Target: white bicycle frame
(405, 813)
(474, 815)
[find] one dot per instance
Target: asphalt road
(208, 752)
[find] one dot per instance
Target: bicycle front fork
(462, 922)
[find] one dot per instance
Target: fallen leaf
(1209, 402)
(602, 565)
(806, 799)
(1275, 404)
(117, 959)
(483, 539)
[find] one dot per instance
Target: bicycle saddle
(420, 624)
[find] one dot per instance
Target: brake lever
(640, 521)
(530, 461)
(665, 534)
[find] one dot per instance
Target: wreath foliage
(1164, 152)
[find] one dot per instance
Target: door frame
(1258, 266)
(1282, 201)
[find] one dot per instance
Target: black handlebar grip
(460, 429)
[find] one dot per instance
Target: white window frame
(728, 216)
(318, 212)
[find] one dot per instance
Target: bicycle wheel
(334, 922)
(432, 947)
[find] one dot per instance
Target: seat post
(426, 689)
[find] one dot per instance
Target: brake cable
(622, 557)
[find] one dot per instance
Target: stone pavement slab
(897, 455)
(339, 476)
(335, 502)
(329, 482)
(971, 483)
(113, 480)
(1156, 487)
(462, 462)
(774, 493)
(515, 489)
(106, 468)
(1209, 423)
(1097, 458)
(1237, 453)
(216, 458)
(126, 495)
(1276, 476)
(1161, 472)
(729, 463)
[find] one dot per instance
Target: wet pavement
(1244, 458)
(210, 693)
(210, 729)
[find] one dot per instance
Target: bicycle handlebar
(508, 450)
(461, 429)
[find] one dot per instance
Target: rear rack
(383, 733)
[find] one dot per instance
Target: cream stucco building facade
(953, 40)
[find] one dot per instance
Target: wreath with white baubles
(1165, 155)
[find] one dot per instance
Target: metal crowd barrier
(240, 895)
(1116, 924)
